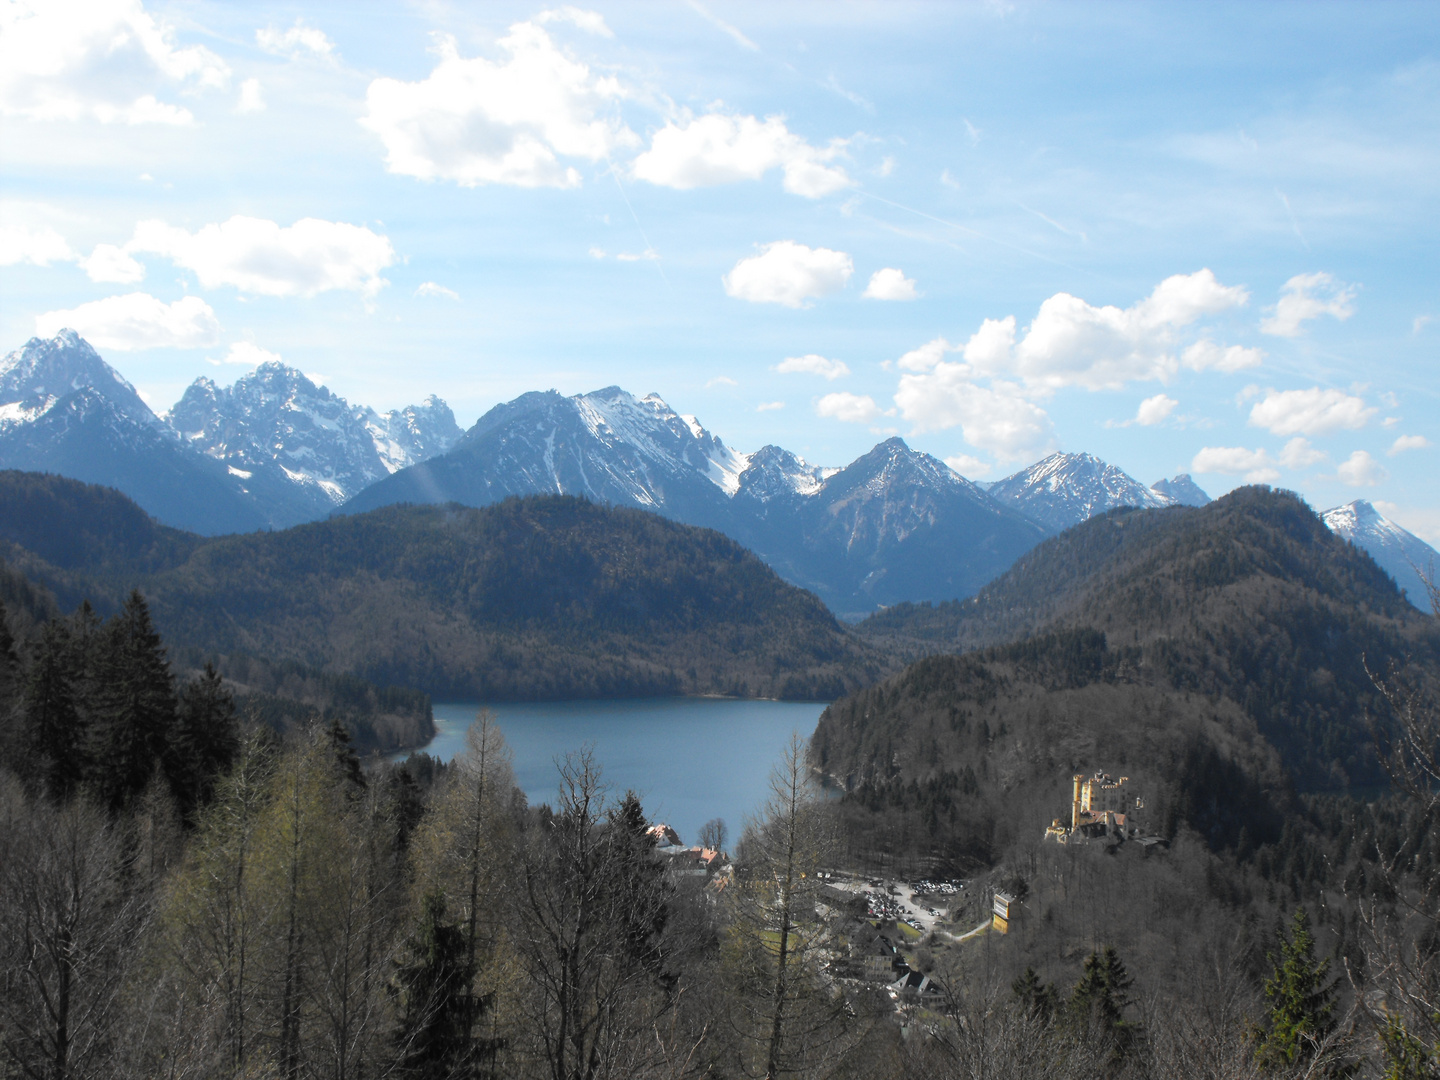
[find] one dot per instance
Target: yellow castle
(1099, 806)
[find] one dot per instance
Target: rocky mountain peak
(1065, 489)
(1181, 491)
(42, 373)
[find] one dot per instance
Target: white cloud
(137, 321)
(251, 100)
(1421, 321)
(1256, 465)
(719, 149)
(1408, 442)
(1298, 454)
(249, 354)
(1154, 409)
(432, 288)
(296, 41)
(851, 408)
(477, 121)
(1361, 470)
(258, 256)
(1073, 343)
(721, 380)
(769, 406)
(1205, 355)
(968, 466)
(997, 418)
(110, 263)
(1305, 297)
(925, 357)
(30, 241)
(890, 284)
(1310, 412)
(648, 255)
(788, 273)
(813, 364)
(597, 253)
(592, 22)
(104, 59)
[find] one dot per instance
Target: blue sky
(1183, 237)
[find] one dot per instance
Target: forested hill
(1204, 647)
(538, 598)
(1158, 572)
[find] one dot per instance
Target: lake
(689, 759)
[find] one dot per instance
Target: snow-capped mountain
(609, 446)
(277, 422)
(773, 472)
(1065, 489)
(1181, 491)
(36, 377)
(64, 410)
(416, 433)
(894, 525)
(1400, 553)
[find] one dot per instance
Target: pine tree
(1302, 1002)
(1035, 998)
(205, 741)
(54, 731)
(347, 762)
(1101, 997)
(433, 1041)
(135, 711)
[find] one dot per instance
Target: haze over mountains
(276, 449)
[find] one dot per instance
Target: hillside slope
(540, 598)
(1250, 600)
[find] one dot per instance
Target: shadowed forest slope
(537, 598)
(1249, 600)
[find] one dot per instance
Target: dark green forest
(541, 598)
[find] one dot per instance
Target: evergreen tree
(9, 666)
(205, 740)
(1301, 1001)
(1101, 997)
(347, 762)
(1036, 999)
(135, 707)
(637, 887)
(54, 730)
(433, 1041)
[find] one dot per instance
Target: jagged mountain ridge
(284, 459)
(1065, 489)
(891, 525)
(276, 420)
(1400, 553)
(1180, 491)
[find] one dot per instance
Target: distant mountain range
(275, 450)
(271, 451)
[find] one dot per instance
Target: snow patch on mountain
(44, 372)
(1181, 491)
(1399, 552)
(1065, 489)
(275, 416)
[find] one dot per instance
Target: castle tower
(1075, 803)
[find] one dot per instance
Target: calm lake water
(689, 759)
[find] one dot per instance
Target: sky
(1183, 237)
